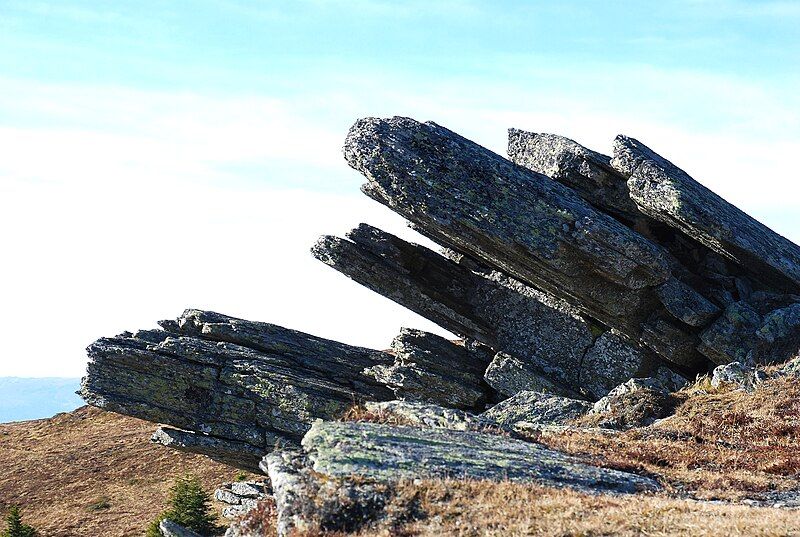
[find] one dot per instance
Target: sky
(156, 156)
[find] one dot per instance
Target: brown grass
(481, 508)
(723, 444)
(90, 472)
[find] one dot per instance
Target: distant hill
(35, 398)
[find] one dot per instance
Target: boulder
(636, 403)
(737, 376)
(390, 453)
(537, 408)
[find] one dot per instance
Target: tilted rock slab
(664, 192)
(549, 339)
(516, 221)
(232, 382)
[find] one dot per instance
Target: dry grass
(481, 508)
(91, 472)
(360, 413)
(723, 444)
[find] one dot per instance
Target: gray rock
(537, 408)
(230, 380)
(427, 415)
(466, 298)
(510, 375)
(382, 452)
(234, 511)
(431, 369)
(169, 528)
(686, 304)
(512, 219)
(752, 332)
(666, 193)
(587, 172)
(737, 376)
(636, 403)
(612, 359)
(248, 489)
(226, 496)
(306, 502)
(792, 367)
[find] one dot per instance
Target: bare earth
(90, 472)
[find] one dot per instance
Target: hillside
(90, 472)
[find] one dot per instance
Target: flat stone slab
(390, 453)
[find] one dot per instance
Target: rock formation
(564, 272)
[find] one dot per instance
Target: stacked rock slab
(523, 224)
(233, 389)
(546, 343)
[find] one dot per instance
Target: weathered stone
(229, 379)
(467, 299)
(686, 304)
(427, 415)
(737, 376)
(509, 375)
(587, 172)
(591, 175)
(666, 193)
(383, 452)
(611, 360)
(169, 528)
(515, 220)
(537, 408)
(305, 502)
(636, 403)
(226, 496)
(765, 329)
(248, 489)
(431, 369)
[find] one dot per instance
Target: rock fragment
(429, 368)
(537, 408)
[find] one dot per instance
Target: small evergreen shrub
(15, 527)
(190, 506)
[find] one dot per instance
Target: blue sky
(162, 155)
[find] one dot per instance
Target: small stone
(169, 528)
(537, 408)
(226, 496)
(248, 489)
(737, 376)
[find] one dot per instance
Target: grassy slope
(90, 472)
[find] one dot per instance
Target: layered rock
(521, 223)
(235, 387)
(431, 369)
(544, 336)
(668, 194)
